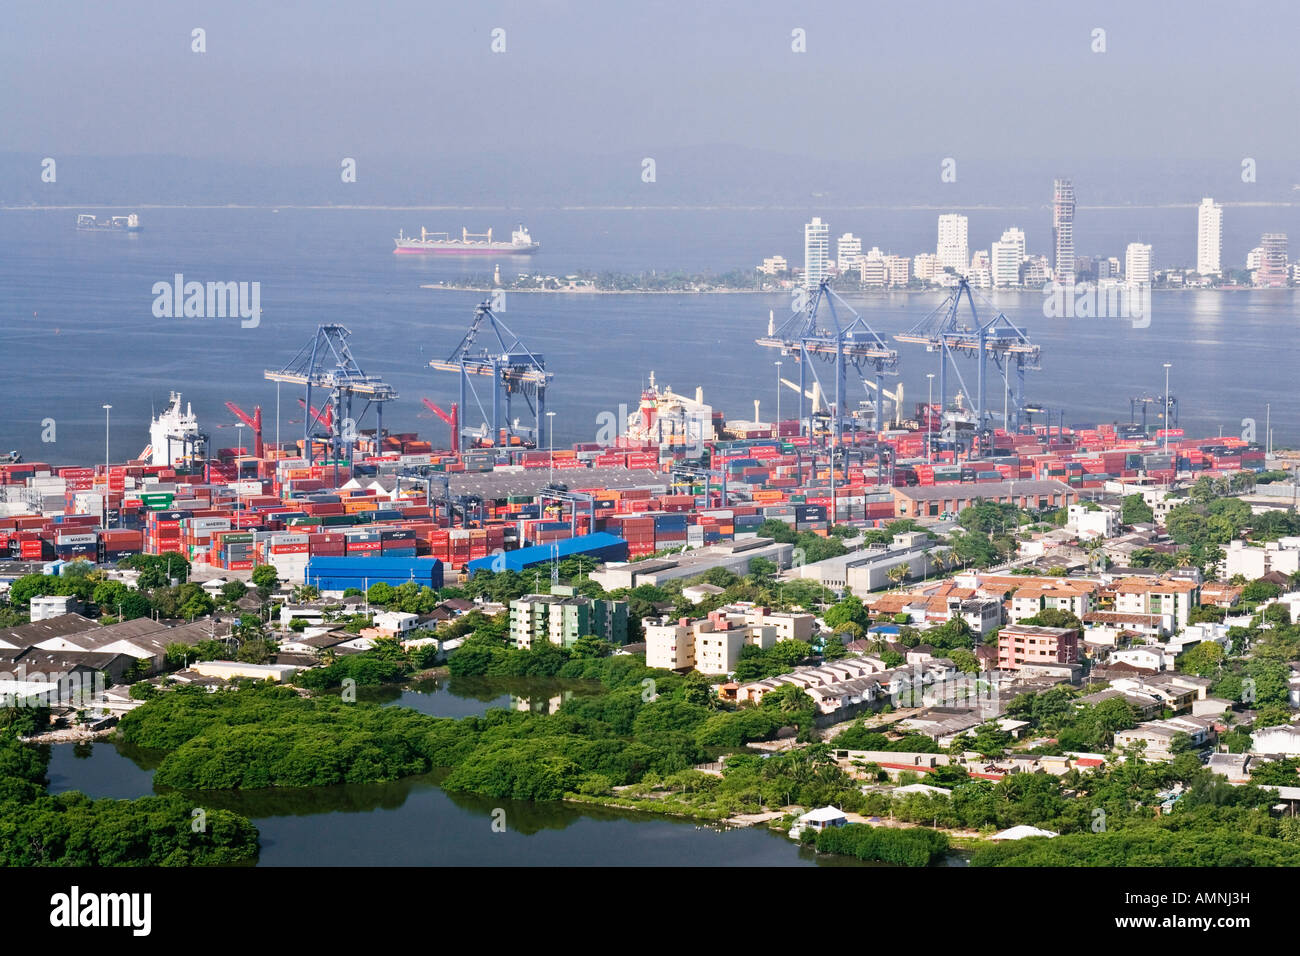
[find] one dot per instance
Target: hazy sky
(286, 82)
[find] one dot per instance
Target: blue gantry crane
(326, 363)
(804, 336)
(946, 331)
(514, 371)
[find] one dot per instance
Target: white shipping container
(208, 524)
(283, 538)
(83, 537)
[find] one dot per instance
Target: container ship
(469, 244)
(87, 222)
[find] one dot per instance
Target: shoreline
(784, 293)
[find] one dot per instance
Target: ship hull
(421, 249)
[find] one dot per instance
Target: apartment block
(562, 617)
(1021, 645)
(1173, 597)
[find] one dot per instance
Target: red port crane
(452, 419)
(325, 417)
(254, 422)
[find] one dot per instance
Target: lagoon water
(413, 822)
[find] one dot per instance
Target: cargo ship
(174, 437)
(87, 222)
(469, 244)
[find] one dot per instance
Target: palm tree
(899, 573)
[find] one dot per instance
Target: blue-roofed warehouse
(339, 574)
(601, 546)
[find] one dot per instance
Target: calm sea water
(78, 329)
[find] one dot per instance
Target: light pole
(106, 410)
(550, 440)
(776, 431)
(1166, 400)
(929, 410)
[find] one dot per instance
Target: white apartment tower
(1137, 263)
(952, 250)
(1209, 237)
(848, 252)
(1007, 254)
(816, 252)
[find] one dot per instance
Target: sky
(997, 86)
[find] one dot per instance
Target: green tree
(1136, 511)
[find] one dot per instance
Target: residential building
(1035, 272)
(1256, 560)
(44, 607)
(1158, 737)
(562, 617)
(848, 251)
(952, 250)
(1024, 644)
(816, 252)
(1168, 596)
(873, 269)
(981, 270)
(1137, 263)
(926, 267)
(1254, 258)
(1063, 230)
(712, 645)
(899, 269)
(1272, 271)
(669, 645)
(1093, 520)
(1007, 255)
(1209, 237)
(774, 265)
(1048, 594)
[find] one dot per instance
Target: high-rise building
(874, 271)
(1063, 230)
(1137, 263)
(1254, 258)
(816, 252)
(1007, 254)
(926, 267)
(1209, 237)
(1113, 263)
(981, 269)
(848, 252)
(952, 250)
(1272, 272)
(1035, 272)
(900, 270)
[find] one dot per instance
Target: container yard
(349, 502)
(422, 513)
